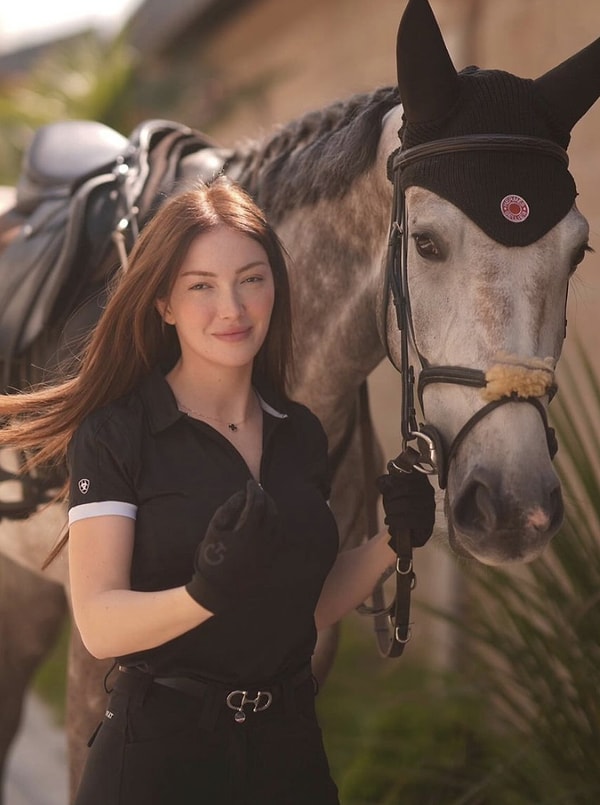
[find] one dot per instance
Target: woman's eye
(427, 247)
(255, 278)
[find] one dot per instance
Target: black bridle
(431, 456)
(423, 448)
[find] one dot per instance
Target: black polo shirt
(142, 458)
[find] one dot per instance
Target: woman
(202, 552)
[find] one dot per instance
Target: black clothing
(176, 470)
(154, 747)
(141, 457)
(244, 539)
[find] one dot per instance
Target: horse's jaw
(504, 505)
(520, 541)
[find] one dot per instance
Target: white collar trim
(269, 408)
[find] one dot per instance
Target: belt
(235, 699)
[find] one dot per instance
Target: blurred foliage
(50, 681)
(397, 731)
(518, 723)
(88, 78)
(91, 78)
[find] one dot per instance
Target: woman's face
(222, 300)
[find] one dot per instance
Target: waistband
(221, 695)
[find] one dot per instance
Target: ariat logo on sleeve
(84, 485)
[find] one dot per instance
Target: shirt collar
(161, 406)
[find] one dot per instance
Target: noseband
(428, 453)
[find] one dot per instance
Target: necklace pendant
(232, 427)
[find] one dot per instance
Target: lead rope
(391, 622)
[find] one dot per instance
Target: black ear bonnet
(515, 197)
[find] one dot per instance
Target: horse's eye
(427, 247)
(580, 255)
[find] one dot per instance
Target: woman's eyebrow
(202, 273)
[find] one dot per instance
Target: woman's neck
(225, 395)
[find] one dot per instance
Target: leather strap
(470, 143)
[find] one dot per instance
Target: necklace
(233, 426)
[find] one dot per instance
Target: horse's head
(487, 237)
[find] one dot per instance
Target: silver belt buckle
(261, 702)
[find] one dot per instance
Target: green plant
(399, 732)
(533, 647)
(519, 722)
(50, 681)
(88, 78)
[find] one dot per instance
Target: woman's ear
(162, 305)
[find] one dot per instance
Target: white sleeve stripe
(105, 507)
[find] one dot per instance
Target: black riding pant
(160, 746)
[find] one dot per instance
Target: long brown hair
(131, 337)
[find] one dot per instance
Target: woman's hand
(241, 543)
(409, 503)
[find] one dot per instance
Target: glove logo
(214, 553)
(84, 485)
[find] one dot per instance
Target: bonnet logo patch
(84, 486)
(515, 209)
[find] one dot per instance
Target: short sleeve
(101, 468)
(316, 445)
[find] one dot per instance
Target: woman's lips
(234, 335)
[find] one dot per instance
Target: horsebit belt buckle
(261, 702)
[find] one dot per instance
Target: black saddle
(85, 192)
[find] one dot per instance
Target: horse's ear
(574, 86)
(427, 80)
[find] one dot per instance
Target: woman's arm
(112, 619)
(409, 503)
(352, 578)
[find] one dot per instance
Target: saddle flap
(62, 154)
(36, 264)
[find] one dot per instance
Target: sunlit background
(409, 730)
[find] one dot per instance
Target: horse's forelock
(318, 156)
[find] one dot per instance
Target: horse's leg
(32, 610)
(86, 703)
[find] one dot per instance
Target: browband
(401, 158)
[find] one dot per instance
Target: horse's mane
(317, 156)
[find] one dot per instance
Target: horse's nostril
(557, 508)
(474, 510)
(479, 510)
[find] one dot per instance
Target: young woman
(202, 553)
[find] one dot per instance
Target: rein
(423, 448)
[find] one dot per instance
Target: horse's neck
(337, 249)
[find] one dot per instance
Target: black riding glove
(409, 503)
(238, 550)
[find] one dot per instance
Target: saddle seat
(61, 154)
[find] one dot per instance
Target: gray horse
(484, 239)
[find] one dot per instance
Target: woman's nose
(230, 303)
